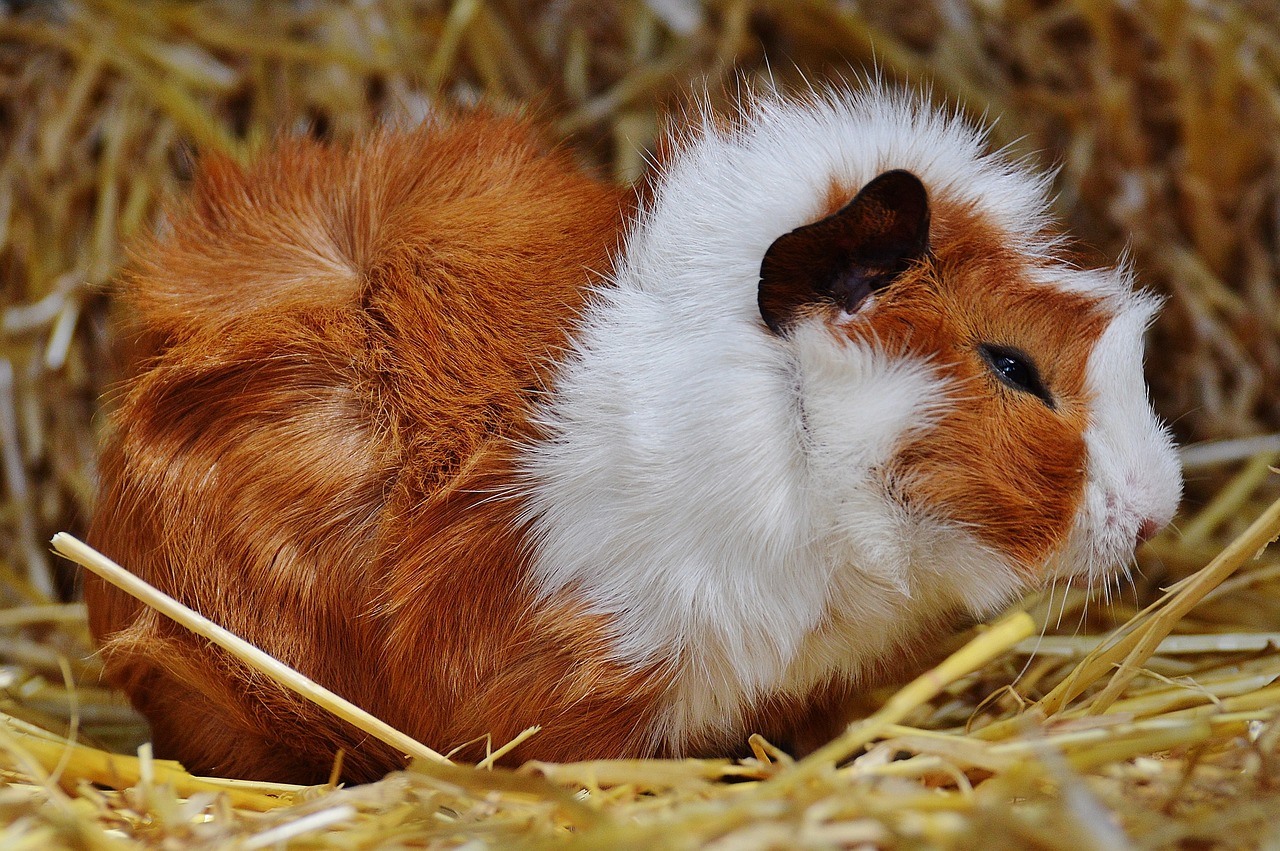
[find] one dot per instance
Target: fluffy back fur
(391, 429)
(339, 346)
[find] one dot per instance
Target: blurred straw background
(1164, 118)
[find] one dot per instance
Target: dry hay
(1163, 115)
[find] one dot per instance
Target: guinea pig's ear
(856, 251)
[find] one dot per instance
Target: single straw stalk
(89, 558)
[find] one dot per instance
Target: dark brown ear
(854, 252)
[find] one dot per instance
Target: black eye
(1016, 368)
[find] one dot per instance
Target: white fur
(715, 488)
(1134, 473)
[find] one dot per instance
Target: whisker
(1088, 597)
(1044, 627)
(1062, 610)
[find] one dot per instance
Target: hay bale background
(1164, 116)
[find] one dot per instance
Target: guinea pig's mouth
(1117, 514)
(1100, 555)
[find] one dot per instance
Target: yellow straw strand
(89, 558)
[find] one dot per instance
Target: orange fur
(340, 352)
(1021, 499)
(341, 346)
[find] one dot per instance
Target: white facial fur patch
(715, 489)
(1134, 473)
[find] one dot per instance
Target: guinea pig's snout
(1148, 528)
(1128, 507)
(1156, 494)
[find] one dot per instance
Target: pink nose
(1150, 526)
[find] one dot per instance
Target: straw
(1144, 718)
(89, 558)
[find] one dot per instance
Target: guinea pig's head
(974, 410)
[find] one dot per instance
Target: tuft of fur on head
(767, 512)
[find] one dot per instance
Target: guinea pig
(481, 443)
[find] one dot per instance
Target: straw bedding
(1144, 717)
